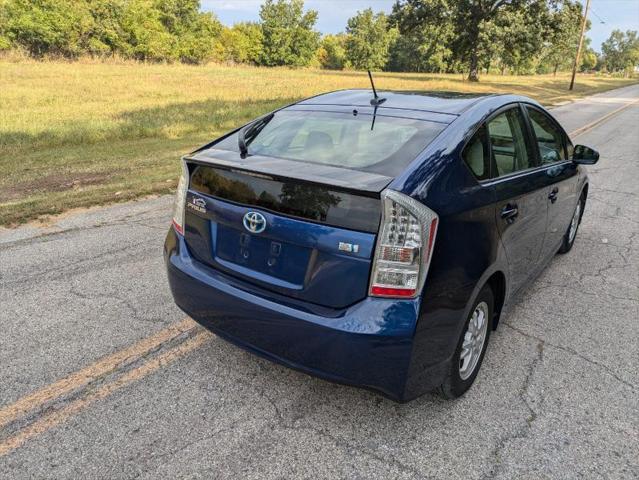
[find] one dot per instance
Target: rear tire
(571, 233)
(465, 366)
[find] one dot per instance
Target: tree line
(453, 36)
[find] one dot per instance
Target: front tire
(471, 346)
(571, 234)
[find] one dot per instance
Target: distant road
(103, 377)
(585, 113)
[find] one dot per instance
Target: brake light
(180, 200)
(404, 247)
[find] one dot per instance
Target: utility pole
(581, 42)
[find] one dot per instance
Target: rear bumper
(368, 344)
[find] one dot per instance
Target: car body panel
(563, 184)
(442, 103)
(522, 236)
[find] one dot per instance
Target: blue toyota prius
(375, 240)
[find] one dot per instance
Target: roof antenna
(374, 115)
(376, 100)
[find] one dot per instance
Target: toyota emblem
(254, 222)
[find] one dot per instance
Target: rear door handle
(552, 196)
(509, 212)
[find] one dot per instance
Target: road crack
(135, 312)
(573, 352)
(350, 448)
(526, 428)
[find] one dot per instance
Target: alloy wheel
(474, 340)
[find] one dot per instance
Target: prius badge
(348, 247)
(254, 222)
(197, 204)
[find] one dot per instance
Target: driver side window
(549, 138)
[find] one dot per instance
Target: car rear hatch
(317, 240)
(291, 202)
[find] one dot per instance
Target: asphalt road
(102, 377)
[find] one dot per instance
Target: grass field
(80, 134)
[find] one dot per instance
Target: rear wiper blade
(249, 132)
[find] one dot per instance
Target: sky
(333, 14)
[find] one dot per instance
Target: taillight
(180, 200)
(404, 247)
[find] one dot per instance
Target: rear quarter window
(476, 155)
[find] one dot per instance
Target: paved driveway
(103, 377)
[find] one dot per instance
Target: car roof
(449, 103)
(439, 107)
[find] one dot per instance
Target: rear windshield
(351, 140)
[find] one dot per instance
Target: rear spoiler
(331, 176)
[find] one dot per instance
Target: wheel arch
(494, 277)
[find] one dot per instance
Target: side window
(548, 136)
(508, 143)
(477, 155)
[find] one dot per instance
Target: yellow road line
(56, 417)
(82, 377)
(599, 121)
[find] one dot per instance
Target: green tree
(177, 15)
(5, 43)
(588, 60)
(47, 27)
(516, 36)
(105, 34)
(154, 30)
(194, 32)
(424, 47)
(473, 43)
(621, 51)
(562, 29)
(369, 40)
(332, 52)
(240, 44)
(146, 35)
(251, 39)
(288, 35)
(196, 43)
(479, 30)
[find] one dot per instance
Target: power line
(596, 15)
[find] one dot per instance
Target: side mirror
(585, 155)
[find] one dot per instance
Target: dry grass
(78, 134)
